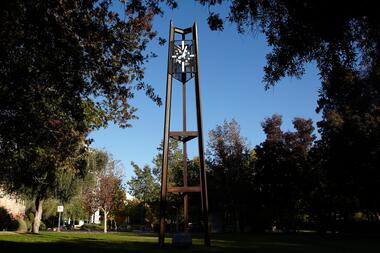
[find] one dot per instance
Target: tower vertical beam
(203, 179)
(185, 172)
(165, 162)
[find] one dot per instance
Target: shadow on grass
(135, 242)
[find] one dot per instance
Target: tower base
(182, 240)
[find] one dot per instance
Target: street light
(59, 210)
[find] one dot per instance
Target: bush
(22, 227)
(31, 216)
(29, 219)
(69, 227)
(51, 221)
(5, 219)
(18, 225)
(9, 224)
(28, 225)
(124, 227)
(92, 227)
(42, 226)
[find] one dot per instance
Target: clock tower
(183, 65)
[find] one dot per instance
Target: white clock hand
(184, 52)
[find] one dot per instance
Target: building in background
(95, 218)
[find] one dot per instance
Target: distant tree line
(280, 184)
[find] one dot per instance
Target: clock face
(182, 55)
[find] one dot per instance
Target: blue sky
(231, 71)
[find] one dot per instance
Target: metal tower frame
(183, 74)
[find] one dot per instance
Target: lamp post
(59, 210)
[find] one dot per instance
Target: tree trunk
(38, 215)
(237, 219)
(105, 220)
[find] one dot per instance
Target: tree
(46, 177)
(65, 68)
(143, 185)
(175, 178)
(343, 40)
(350, 139)
(74, 209)
(120, 213)
(105, 193)
(75, 206)
(230, 172)
(304, 31)
(134, 212)
(175, 163)
(283, 170)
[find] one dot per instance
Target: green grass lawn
(72, 242)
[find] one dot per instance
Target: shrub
(18, 225)
(92, 227)
(124, 227)
(31, 216)
(5, 219)
(69, 227)
(28, 224)
(42, 226)
(22, 227)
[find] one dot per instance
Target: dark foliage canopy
(66, 67)
(344, 33)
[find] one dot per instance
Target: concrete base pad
(182, 240)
